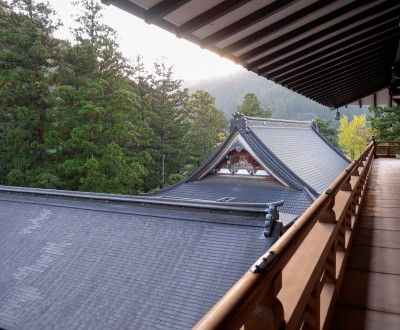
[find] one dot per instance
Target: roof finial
(239, 121)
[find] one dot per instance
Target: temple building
(264, 161)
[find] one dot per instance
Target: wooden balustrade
(295, 284)
(387, 149)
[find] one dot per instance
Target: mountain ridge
(230, 90)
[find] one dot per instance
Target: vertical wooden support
(341, 237)
(269, 314)
(312, 317)
(374, 147)
(346, 223)
(330, 266)
(329, 215)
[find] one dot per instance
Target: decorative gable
(240, 162)
(235, 157)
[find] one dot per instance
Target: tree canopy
(354, 136)
(327, 131)
(251, 107)
(385, 122)
(83, 117)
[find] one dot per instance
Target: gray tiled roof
(69, 264)
(305, 153)
(243, 189)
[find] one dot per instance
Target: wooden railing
(387, 149)
(295, 284)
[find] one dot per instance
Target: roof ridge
(243, 121)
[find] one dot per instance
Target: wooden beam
(284, 39)
(277, 26)
(305, 57)
(162, 9)
(209, 16)
(293, 48)
(247, 21)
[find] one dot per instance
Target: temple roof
(302, 149)
(96, 261)
(296, 162)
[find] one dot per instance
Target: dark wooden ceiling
(335, 52)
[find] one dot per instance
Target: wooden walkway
(370, 294)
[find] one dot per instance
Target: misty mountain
(230, 90)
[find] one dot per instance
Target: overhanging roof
(332, 51)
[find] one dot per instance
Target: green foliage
(80, 117)
(207, 123)
(354, 136)
(251, 107)
(167, 118)
(327, 131)
(28, 61)
(68, 118)
(385, 123)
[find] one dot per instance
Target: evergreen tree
(327, 131)
(251, 107)
(207, 123)
(167, 118)
(29, 57)
(386, 123)
(100, 130)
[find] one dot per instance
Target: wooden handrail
(390, 149)
(296, 282)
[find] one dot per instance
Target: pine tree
(207, 123)
(167, 118)
(29, 57)
(386, 123)
(100, 130)
(327, 131)
(251, 107)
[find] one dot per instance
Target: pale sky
(136, 37)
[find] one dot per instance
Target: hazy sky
(151, 42)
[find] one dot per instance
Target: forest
(80, 116)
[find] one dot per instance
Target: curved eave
(333, 52)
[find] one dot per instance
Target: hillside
(285, 104)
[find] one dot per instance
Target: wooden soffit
(332, 51)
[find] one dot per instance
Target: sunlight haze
(136, 37)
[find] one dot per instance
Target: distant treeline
(284, 103)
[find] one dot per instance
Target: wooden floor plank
(375, 202)
(382, 260)
(347, 318)
(378, 238)
(370, 293)
(390, 212)
(368, 290)
(382, 223)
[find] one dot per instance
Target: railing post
(329, 215)
(374, 142)
(312, 317)
(346, 223)
(330, 266)
(268, 314)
